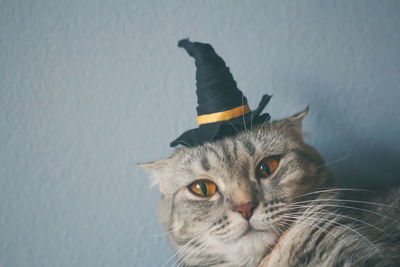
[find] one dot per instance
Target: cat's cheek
(260, 221)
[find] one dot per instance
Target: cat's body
(342, 228)
(293, 217)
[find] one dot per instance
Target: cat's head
(226, 200)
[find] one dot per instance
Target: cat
(263, 197)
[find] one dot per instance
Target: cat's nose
(246, 210)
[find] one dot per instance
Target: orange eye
(267, 166)
(203, 188)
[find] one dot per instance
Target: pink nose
(246, 210)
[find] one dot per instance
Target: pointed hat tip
(184, 42)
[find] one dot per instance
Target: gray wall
(90, 88)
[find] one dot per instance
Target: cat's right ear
(158, 169)
(296, 121)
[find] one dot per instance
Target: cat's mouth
(250, 229)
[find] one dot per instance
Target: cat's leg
(277, 256)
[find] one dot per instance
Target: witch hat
(222, 108)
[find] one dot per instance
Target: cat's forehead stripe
(245, 168)
(250, 147)
(234, 148)
(227, 155)
(209, 149)
(205, 164)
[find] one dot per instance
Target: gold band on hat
(223, 115)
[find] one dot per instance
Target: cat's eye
(203, 188)
(267, 166)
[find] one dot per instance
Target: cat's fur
(300, 218)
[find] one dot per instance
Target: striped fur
(295, 222)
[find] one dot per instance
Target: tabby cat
(244, 191)
(265, 198)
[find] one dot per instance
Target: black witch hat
(222, 108)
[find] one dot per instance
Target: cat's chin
(248, 231)
(251, 231)
(250, 247)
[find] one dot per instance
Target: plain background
(90, 88)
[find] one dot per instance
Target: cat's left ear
(296, 121)
(159, 169)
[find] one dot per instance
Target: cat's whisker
(196, 253)
(251, 121)
(283, 226)
(276, 231)
(193, 251)
(200, 243)
(340, 206)
(337, 215)
(291, 219)
(344, 226)
(265, 121)
(203, 237)
(188, 256)
(310, 221)
(327, 190)
(160, 235)
(347, 227)
(180, 250)
(244, 122)
(233, 126)
(346, 200)
(280, 230)
(333, 161)
(345, 188)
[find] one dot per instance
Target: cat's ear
(296, 121)
(158, 169)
